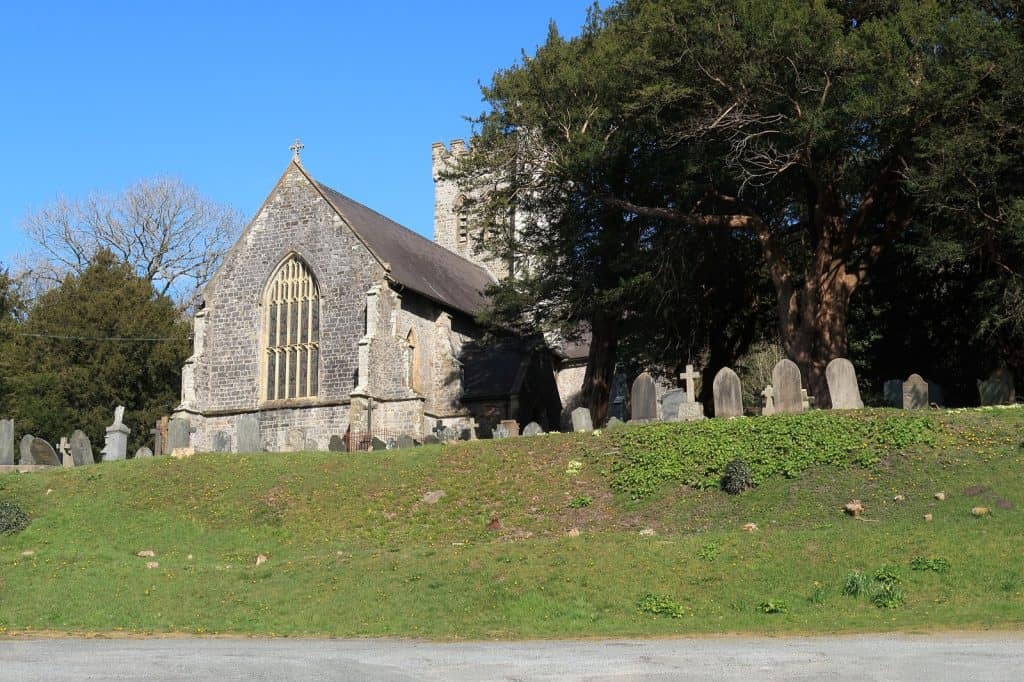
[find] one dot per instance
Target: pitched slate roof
(414, 261)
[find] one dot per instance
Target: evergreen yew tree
(102, 338)
(818, 134)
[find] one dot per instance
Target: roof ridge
(394, 222)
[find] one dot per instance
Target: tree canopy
(102, 338)
(684, 167)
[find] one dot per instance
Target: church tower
(453, 227)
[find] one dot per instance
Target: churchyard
(618, 531)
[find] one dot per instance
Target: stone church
(330, 323)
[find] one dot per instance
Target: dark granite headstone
(787, 383)
(336, 444)
(179, 433)
(998, 389)
(670, 403)
(728, 394)
(81, 449)
(378, 444)
(644, 398)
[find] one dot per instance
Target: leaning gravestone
(532, 429)
(728, 394)
(221, 442)
(842, 385)
(671, 402)
(44, 454)
(336, 444)
(378, 444)
(179, 433)
(915, 393)
(247, 434)
(786, 383)
(644, 399)
(998, 389)
(6, 442)
(81, 449)
(25, 449)
(143, 453)
(581, 421)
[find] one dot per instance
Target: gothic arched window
(292, 354)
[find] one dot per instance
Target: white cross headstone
(689, 376)
(769, 400)
(64, 448)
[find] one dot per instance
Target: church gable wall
(294, 219)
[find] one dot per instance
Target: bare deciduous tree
(171, 234)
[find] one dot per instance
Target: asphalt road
(872, 657)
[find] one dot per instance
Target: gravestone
(310, 445)
(431, 439)
(179, 433)
(43, 453)
(294, 440)
(614, 421)
(450, 433)
(512, 425)
(842, 385)
(671, 402)
(115, 445)
(336, 444)
(728, 394)
(998, 389)
(915, 393)
(689, 410)
(64, 451)
(247, 434)
(787, 383)
(892, 392)
(533, 429)
(806, 400)
(81, 448)
(500, 431)
(378, 444)
(392, 443)
(6, 441)
(143, 453)
(25, 449)
(406, 441)
(644, 402)
(581, 421)
(221, 442)
(769, 400)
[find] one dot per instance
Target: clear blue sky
(98, 95)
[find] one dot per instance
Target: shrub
(922, 564)
(13, 518)
(737, 477)
(660, 605)
(581, 501)
(856, 584)
(697, 453)
(887, 596)
(776, 606)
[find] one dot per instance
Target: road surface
(870, 657)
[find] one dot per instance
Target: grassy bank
(353, 549)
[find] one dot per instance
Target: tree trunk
(597, 381)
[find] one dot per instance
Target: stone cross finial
(296, 147)
(769, 396)
(689, 376)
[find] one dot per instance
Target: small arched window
(292, 353)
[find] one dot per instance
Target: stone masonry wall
(295, 218)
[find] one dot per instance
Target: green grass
(352, 550)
